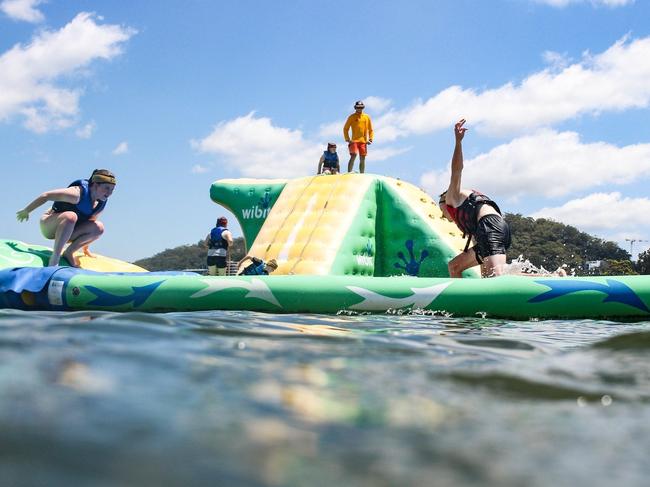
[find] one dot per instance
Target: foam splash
(521, 265)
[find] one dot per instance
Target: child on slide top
(329, 161)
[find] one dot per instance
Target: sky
(173, 95)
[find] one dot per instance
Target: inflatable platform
(351, 243)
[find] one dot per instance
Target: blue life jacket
(257, 268)
(216, 239)
(217, 246)
(84, 209)
(331, 159)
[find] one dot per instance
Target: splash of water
(521, 265)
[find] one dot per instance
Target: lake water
(242, 398)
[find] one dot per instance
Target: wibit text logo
(261, 210)
(365, 260)
(255, 212)
(365, 257)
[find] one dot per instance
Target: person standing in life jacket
(329, 161)
(218, 242)
(361, 137)
(478, 217)
(73, 216)
(258, 267)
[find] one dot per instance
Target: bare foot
(72, 259)
(88, 253)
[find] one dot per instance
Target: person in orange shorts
(361, 137)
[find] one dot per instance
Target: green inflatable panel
(514, 297)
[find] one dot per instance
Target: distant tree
(191, 256)
(618, 268)
(549, 244)
(643, 263)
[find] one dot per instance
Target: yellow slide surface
(307, 224)
(101, 263)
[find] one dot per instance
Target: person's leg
(221, 265)
(352, 146)
(60, 227)
(212, 265)
(363, 151)
(84, 234)
(462, 261)
(493, 240)
(351, 162)
(494, 265)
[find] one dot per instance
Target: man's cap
(222, 220)
(359, 104)
(103, 176)
(331, 144)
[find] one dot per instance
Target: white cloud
(28, 73)
(556, 60)
(23, 10)
(607, 215)
(86, 131)
(332, 131)
(257, 148)
(199, 169)
(122, 148)
(596, 3)
(381, 154)
(377, 104)
(550, 164)
(611, 81)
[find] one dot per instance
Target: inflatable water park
(349, 243)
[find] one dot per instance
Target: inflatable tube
(345, 243)
(513, 297)
(14, 253)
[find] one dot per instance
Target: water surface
(243, 398)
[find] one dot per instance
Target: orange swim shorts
(358, 148)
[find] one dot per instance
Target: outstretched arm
(346, 129)
(68, 195)
(248, 257)
(453, 192)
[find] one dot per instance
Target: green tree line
(549, 244)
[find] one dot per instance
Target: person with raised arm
(477, 216)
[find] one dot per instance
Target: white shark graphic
(421, 298)
(256, 289)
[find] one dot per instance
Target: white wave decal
(21, 258)
(256, 289)
(421, 298)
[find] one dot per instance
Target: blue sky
(173, 95)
